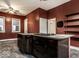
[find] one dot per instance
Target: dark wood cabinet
(44, 48)
(25, 44)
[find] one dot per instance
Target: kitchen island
(44, 45)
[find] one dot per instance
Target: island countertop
(50, 45)
(51, 36)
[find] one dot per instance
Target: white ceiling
(27, 6)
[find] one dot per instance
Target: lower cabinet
(44, 48)
(25, 44)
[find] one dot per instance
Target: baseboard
(8, 39)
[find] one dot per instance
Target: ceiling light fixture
(43, 0)
(11, 12)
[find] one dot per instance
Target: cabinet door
(43, 25)
(52, 26)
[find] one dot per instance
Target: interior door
(52, 26)
(25, 25)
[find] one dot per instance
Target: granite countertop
(56, 36)
(51, 36)
(27, 33)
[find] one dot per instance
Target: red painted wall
(33, 20)
(8, 26)
(61, 11)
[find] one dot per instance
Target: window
(2, 24)
(15, 25)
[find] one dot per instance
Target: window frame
(3, 31)
(19, 24)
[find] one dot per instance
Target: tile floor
(9, 49)
(74, 52)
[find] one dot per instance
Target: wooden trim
(72, 14)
